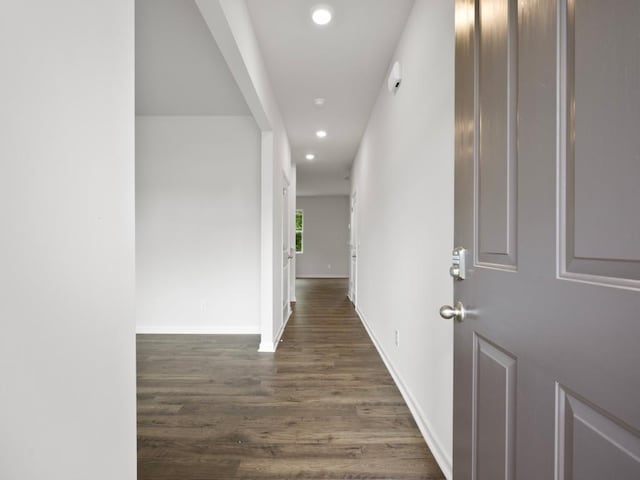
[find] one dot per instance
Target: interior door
(286, 252)
(547, 356)
(353, 251)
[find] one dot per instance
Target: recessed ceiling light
(319, 102)
(310, 156)
(322, 15)
(321, 134)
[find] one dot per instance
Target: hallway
(322, 407)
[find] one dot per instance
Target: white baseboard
(271, 347)
(444, 461)
(322, 275)
(213, 330)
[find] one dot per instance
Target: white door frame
(286, 249)
(353, 249)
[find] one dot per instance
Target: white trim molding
(271, 347)
(320, 275)
(439, 453)
(212, 330)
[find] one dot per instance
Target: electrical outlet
(397, 338)
(329, 267)
(203, 305)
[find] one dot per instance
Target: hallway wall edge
(444, 461)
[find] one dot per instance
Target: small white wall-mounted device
(395, 78)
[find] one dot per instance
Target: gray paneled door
(547, 359)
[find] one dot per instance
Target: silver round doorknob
(456, 312)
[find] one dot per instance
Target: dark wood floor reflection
(322, 407)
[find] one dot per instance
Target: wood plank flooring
(322, 407)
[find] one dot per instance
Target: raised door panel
(591, 444)
(496, 119)
(599, 55)
(494, 392)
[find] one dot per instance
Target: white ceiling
(179, 68)
(345, 62)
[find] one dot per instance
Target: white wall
(403, 176)
(198, 224)
(325, 237)
(67, 328)
(179, 67)
(316, 182)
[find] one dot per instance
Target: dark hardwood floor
(322, 407)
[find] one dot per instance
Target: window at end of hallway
(299, 230)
